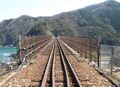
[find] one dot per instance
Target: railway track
(59, 72)
(56, 66)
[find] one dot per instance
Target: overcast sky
(16, 8)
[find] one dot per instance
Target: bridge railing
(87, 47)
(29, 46)
(106, 57)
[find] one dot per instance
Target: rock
(12, 55)
(92, 64)
(4, 68)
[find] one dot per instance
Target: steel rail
(65, 68)
(77, 82)
(43, 83)
(53, 69)
(67, 83)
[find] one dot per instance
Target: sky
(15, 8)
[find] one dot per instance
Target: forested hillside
(101, 20)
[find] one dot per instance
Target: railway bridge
(46, 61)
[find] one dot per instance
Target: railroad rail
(59, 71)
(70, 68)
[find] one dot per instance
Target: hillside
(100, 20)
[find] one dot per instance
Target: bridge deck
(31, 75)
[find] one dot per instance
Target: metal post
(85, 49)
(76, 46)
(111, 60)
(19, 58)
(98, 52)
(90, 50)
